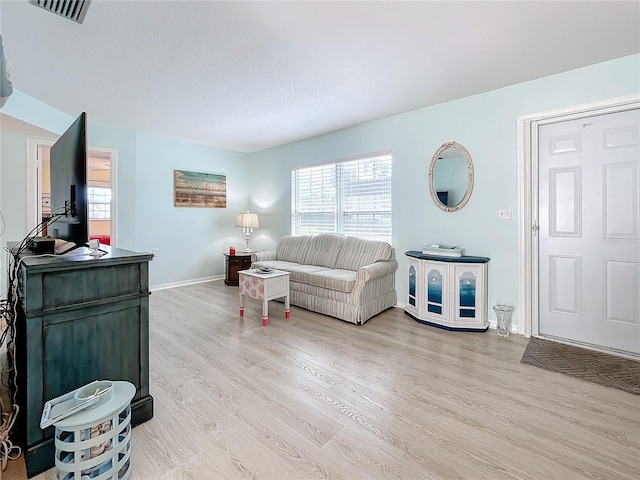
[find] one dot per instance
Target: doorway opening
(101, 179)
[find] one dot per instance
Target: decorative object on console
(451, 177)
(248, 221)
(442, 250)
(196, 189)
(447, 292)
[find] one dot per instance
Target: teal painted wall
(124, 141)
(190, 241)
(486, 125)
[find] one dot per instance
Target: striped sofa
(345, 277)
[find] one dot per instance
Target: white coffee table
(264, 287)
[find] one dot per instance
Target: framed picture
(199, 189)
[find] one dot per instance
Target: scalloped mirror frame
(432, 166)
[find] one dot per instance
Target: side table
(264, 287)
(233, 264)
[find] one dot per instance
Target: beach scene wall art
(199, 189)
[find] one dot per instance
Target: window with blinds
(352, 197)
(99, 203)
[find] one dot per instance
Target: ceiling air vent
(72, 9)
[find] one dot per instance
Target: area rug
(601, 368)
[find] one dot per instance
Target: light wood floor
(313, 397)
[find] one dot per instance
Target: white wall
(486, 125)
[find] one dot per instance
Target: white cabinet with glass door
(446, 292)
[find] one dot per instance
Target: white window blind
(99, 203)
(352, 197)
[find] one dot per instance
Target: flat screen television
(69, 198)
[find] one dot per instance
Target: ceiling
(251, 75)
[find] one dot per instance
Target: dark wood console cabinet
(233, 264)
(79, 319)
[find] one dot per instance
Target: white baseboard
(493, 324)
(184, 283)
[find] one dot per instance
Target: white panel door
(589, 238)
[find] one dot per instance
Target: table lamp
(248, 221)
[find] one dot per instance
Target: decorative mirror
(451, 177)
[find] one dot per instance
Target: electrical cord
(22, 245)
(8, 335)
(8, 451)
(8, 313)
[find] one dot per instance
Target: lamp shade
(247, 219)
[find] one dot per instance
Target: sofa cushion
(333, 279)
(357, 252)
(293, 248)
(299, 273)
(323, 249)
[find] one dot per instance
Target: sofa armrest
(263, 256)
(370, 272)
(375, 270)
